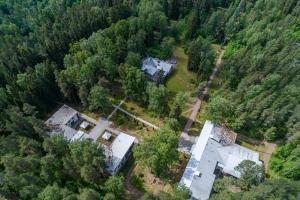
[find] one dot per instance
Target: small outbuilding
(84, 124)
(106, 135)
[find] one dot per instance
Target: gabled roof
(153, 65)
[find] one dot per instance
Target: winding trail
(135, 193)
(186, 141)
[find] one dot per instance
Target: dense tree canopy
(159, 151)
(201, 58)
(270, 189)
(53, 170)
(157, 99)
(70, 50)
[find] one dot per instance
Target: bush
(138, 182)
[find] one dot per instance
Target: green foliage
(177, 105)
(22, 123)
(88, 194)
(231, 49)
(259, 97)
(134, 83)
(115, 185)
(285, 161)
(98, 99)
(53, 192)
(273, 189)
(133, 59)
(261, 75)
(269, 189)
(164, 50)
(219, 109)
(172, 124)
(201, 58)
(223, 184)
(138, 182)
(251, 174)
(157, 99)
(158, 152)
(55, 170)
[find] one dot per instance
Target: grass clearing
(181, 79)
(142, 112)
(124, 122)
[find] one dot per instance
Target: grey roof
(80, 135)
(213, 148)
(119, 148)
(152, 65)
(58, 120)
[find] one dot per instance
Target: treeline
(253, 185)
(113, 56)
(55, 169)
(260, 94)
(35, 36)
(35, 73)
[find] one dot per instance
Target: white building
(63, 121)
(153, 66)
(118, 152)
(214, 152)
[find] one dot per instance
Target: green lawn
(181, 79)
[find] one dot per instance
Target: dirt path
(186, 141)
(266, 156)
(116, 108)
(136, 118)
(134, 193)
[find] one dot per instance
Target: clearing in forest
(181, 79)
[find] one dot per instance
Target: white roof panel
(119, 148)
(106, 135)
(84, 124)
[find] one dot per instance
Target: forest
(79, 51)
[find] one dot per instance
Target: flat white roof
(106, 135)
(119, 148)
(84, 124)
(235, 155)
(79, 136)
